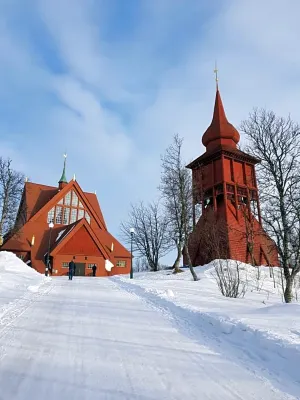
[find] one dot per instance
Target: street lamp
(51, 225)
(131, 240)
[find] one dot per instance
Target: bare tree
(11, 188)
(141, 264)
(150, 239)
(176, 190)
(276, 141)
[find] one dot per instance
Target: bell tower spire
(63, 180)
(220, 132)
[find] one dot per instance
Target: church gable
(68, 209)
(81, 243)
(68, 206)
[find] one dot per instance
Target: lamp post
(131, 240)
(51, 225)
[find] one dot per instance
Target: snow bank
(261, 314)
(16, 279)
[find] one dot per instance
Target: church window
(58, 215)
(90, 266)
(50, 217)
(80, 214)
(121, 263)
(68, 210)
(73, 215)
(68, 199)
(65, 265)
(66, 216)
(74, 199)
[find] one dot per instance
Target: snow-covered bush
(227, 274)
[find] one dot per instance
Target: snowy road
(91, 339)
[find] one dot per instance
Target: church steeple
(63, 180)
(220, 132)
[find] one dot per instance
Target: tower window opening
(220, 199)
(219, 189)
(243, 200)
(230, 188)
(230, 197)
(242, 191)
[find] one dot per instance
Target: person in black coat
(94, 268)
(71, 269)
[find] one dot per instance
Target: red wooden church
(224, 186)
(64, 223)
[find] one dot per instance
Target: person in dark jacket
(94, 268)
(71, 269)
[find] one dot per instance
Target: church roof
(220, 131)
(38, 195)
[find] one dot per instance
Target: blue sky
(111, 81)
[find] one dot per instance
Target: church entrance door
(80, 269)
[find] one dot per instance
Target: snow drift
(17, 280)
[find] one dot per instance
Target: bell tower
(225, 188)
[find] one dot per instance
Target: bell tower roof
(220, 132)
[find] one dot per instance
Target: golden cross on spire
(216, 73)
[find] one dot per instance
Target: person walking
(94, 268)
(71, 269)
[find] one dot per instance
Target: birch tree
(176, 191)
(276, 141)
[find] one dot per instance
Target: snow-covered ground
(261, 309)
(260, 324)
(98, 338)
